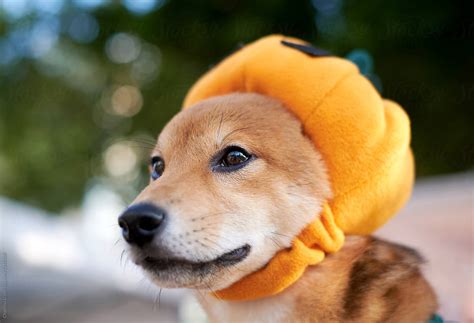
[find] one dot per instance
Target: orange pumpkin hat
(363, 138)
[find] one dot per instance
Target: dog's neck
(273, 309)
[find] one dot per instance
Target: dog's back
(369, 280)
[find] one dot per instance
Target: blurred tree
(87, 85)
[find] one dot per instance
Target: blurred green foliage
(55, 126)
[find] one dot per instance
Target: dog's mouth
(230, 258)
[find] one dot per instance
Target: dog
(234, 179)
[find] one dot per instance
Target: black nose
(140, 223)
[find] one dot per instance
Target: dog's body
(236, 181)
(369, 280)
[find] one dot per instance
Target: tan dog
(234, 180)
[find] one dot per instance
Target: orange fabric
(364, 140)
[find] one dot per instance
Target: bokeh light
(83, 27)
(43, 36)
(147, 66)
(126, 101)
(123, 48)
(90, 4)
(78, 69)
(328, 18)
(142, 7)
(15, 8)
(120, 159)
(48, 6)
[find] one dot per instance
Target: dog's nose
(141, 222)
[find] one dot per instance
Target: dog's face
(233, 181)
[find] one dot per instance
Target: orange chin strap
(363, 139)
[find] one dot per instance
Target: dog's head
(233, 181)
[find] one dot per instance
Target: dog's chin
(171, 272)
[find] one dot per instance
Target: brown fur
(369, 280)
(212, 213)
(266, 204)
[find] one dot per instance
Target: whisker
(121, 257)
(279, 246)
(281, 234)
(140, 144)
(219, 236)
(157, 298)
(218, 133)
(213, 293)
(150, 142)
(202, 296)
(234, 132)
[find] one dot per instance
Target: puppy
(233, 180)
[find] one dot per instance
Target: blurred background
(86, 86)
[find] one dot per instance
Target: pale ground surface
(92, 286)
(438, 221)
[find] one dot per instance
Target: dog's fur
(265, 205)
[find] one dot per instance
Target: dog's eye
(157, 167)
(234, 157)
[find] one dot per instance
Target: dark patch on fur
(409, 255)
(392, 299)
(364, 272)
(380, 267)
